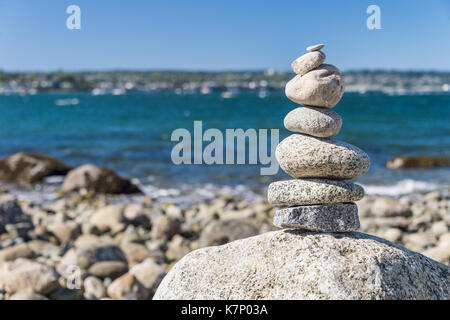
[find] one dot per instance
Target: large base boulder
(294, 264)
(100, 180)
(26, 168)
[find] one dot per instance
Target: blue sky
(221, 35)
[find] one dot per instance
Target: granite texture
(332, 217)
(321, 87)
(312, 191)
(303, 156)
(308, 62)
(295, 264)
(317, 122)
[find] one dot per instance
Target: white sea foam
(400, 188)
(67, 102)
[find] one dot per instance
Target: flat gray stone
(316, 47)
(308, 62)
(303, 156)
(317, 122)
(299, 265)
(313, 191)
(320, 87)
(332, 217)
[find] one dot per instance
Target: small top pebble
(316, 47)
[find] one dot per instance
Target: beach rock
(10, 212)
(442, 251)
(334, 217)
(321, 87)
(127, 287)
(312, 191)
(409, 162)
(308, 62)
(108, 269)
(303, 156)
(419, 241)
(390, 207)
(64, 294)
(100, 180)
(222, 231)
(393, 234)
(135, 252)
(109, 218)
(177, 248)
(27, 296)
(25, 168)
(93, 288)
(317, 122)
(84, 257)
(316, 47)
(23, 275)
(136, 215)
(20, 250)
(166, 227)
(44, 248)
(295, 264)
(64, 231)
(149, 273)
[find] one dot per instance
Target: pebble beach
(126, 244)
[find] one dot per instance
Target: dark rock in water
(26, 168)
(409, 162)
(11, 213)
(100, 180)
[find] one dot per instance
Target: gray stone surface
(308, 62)
(303, 156)
(321, 87)
(316, 47)
(312, 191)
(294, 264)
(27, 167)
(11, 212)
(27, 296)
(317, 122)
(100, 180)
(22, 275)
(332, 217)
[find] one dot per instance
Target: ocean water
(131, 133)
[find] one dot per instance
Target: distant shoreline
(205, 82)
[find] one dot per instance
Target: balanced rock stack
(318, 199)
(303, 263)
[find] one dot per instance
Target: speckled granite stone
(313, 191)
(321, 87)
(303, 156)
(316, 47)
(298, 265)
(332, 217)
(308, 62)
(317, 122)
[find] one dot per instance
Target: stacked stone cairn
(318, 198)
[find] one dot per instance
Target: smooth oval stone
(333, 217)
(316, 47)
(320, 87)
(303, 156)
(308, 62)
(313, 191)
(318, 122)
